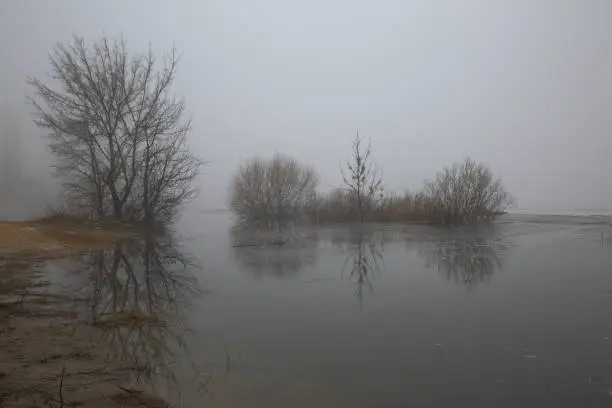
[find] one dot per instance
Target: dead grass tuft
(128, 318)
(136, 398)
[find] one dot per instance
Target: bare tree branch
(362, 180)
(118, 134)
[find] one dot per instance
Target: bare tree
(118, 133)
(272, 192)
(362, 180)
(465, 191)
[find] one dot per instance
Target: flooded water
(514, 314)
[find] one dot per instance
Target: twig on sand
(129, 391)
(61, 385)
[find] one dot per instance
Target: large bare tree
(118, 133)
(272, 192)
(362, 179)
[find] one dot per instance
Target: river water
(513, 314)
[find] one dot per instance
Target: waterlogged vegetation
(354, 296)
(277, 192)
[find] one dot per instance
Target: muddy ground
(49, 357)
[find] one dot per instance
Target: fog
(523, 86)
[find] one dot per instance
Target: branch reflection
(606, 236)
(364, 259)
(466, 256)
(266, 253)
(138, 294)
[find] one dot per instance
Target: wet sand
(49, 355)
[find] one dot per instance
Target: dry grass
(58, 237)
(128, 318)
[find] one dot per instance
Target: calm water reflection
(280, 255)
(372, 317)
(138, 295)
(364, 258)
(531, 330)
(466, 256)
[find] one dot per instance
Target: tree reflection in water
(606, 235)
(364, 259)
(267, 253)
(138, 294)
(465, 255)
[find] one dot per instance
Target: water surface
(512, 314)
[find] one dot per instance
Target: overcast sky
(524, 86)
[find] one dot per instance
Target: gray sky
(523, 85)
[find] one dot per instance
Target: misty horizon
(523, 87)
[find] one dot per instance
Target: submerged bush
(460, 194)
(411, 207)
(272, 192)
(277, 191)
(466, 191)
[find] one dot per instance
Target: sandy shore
(48, 356)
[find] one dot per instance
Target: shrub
(466, 191)
(272, 192)
(460, 194)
